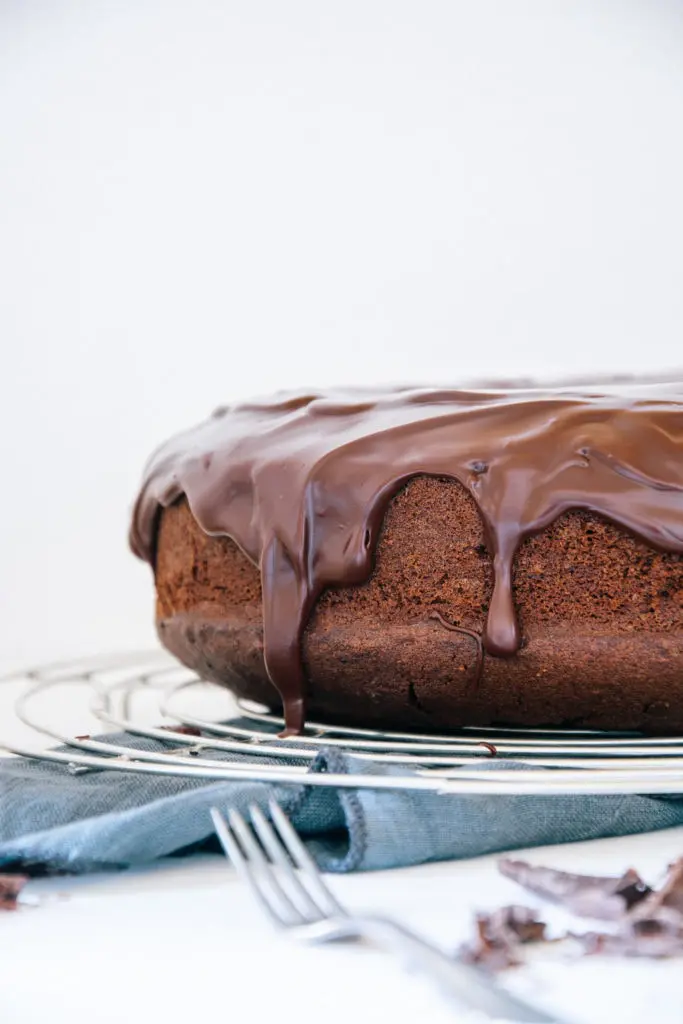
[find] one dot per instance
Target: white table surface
(186, 941)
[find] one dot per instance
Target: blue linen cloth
(106, 819)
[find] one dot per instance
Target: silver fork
(301, 902)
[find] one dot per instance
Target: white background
(201, 201)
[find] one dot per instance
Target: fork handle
(469, 985)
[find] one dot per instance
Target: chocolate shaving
(499, 936)
(671, 893)
(657, 937)
(654, 927)
(10, 888)
(599, 897)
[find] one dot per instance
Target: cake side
(599, 613)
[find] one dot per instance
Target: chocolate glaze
(302, 482)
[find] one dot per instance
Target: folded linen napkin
(105, 819)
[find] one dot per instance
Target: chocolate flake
(656, 937)
(671, 893)
(499, 936)
(10, 888)
(599, 897)
(654, 927)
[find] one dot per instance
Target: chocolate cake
(427, 559)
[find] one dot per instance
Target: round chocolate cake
(427, 559)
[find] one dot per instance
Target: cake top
(301, 483)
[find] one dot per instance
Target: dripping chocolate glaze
(302, 482)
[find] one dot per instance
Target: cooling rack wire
(144, 713)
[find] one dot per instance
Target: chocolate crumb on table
(10, 889)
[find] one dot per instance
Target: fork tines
(276, 864)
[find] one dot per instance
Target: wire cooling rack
(165, 720)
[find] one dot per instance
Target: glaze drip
(302, 482)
